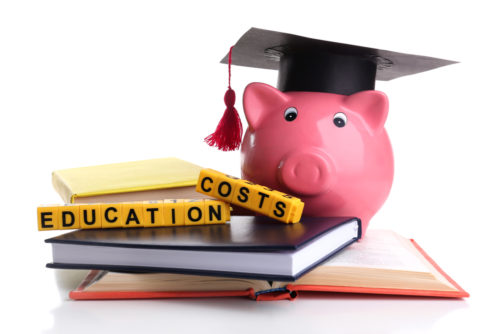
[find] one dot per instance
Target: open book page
(383, 259)
(380, 249)
(112, 281)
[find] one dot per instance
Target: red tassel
(227, 136)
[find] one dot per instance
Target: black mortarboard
(313, 65)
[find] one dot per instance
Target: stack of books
(251, 256)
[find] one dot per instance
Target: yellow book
(128, 181)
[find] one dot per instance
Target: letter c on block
(203, 184)
(106, 215)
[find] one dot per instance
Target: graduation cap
(312, 65)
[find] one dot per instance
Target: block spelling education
(172, 212)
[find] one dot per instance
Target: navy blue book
(247, 247)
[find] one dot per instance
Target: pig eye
(291, 114)
(340, 119)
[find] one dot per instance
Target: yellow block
(173, 212)
(286, 207)
(206, 181)
(111, 215)
(153, 213)
(227, 212)
(138, 214)
(216, 212)
(90, 216)
(47, 217)
(69, 217)
(194, 212)
(251, 196)
(242, 192)
(133, 214)
(260, 199)
(224, 187)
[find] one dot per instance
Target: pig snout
(307, 171)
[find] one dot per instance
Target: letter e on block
(47, 217)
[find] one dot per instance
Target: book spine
(98, 295)
(62, 188)
(133, 214)
(275, 294)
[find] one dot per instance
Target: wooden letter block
(286, 208)
(241, 195)
(153, 213)
(216, 212)
(251, 196)
(111, 215)
(225, 187)
(69, 216)
(194, 212)
(226, 211)
(173, 212)
(90, 216)
(48, 217)
(132, 214)
(260, 199)
(206, 181)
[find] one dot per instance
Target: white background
(92, 82)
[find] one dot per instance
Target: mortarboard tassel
(227, 136)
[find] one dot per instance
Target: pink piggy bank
(330, 150)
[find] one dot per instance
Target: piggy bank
(330, 150)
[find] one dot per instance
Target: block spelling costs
(133, 214)
(260, 199)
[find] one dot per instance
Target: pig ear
(372, 106)
(258, 100)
